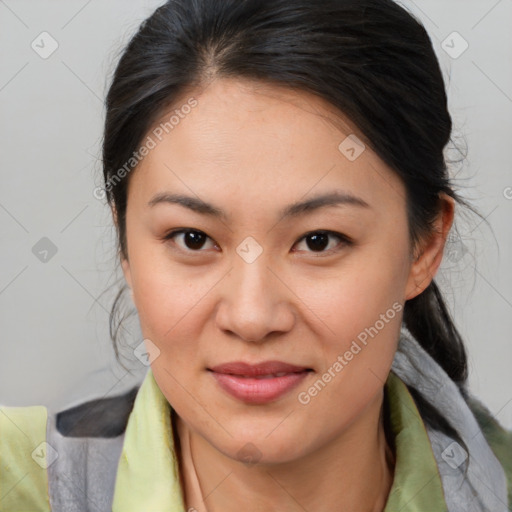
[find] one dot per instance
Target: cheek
(162, 293)
(174, 304)
(361, 313)
(355, 297)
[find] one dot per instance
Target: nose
(255, 302)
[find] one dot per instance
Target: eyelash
(345, 240)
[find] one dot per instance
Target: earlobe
(125, 265)
(426, 264)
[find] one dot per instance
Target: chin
(263, 449)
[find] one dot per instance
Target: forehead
(251, 140)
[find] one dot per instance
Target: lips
(260, 383)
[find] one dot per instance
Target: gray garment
(484, 487)
(83, 476)
(82, 479)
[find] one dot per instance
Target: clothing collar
(417, 485)
(148, 474)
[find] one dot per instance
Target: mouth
(260, 383)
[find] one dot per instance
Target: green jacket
(146, 470)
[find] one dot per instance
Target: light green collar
(417, 484)
(148, 478)
(147, 474)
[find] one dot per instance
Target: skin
(251, 149)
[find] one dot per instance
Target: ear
(125, 264)
(430, 251)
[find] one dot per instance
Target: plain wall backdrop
(57, 239)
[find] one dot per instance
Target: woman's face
(254, 284)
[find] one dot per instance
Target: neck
(352, 472)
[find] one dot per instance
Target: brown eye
(318, 241)
(191, 240)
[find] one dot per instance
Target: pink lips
(260, 383)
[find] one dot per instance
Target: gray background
(55, 347)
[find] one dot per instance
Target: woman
(276, 176)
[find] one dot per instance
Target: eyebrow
(336, 198)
